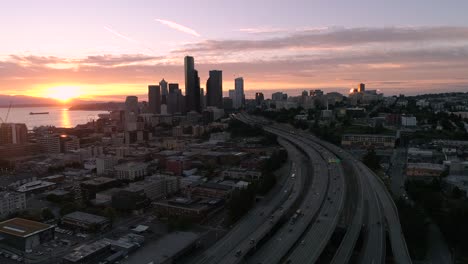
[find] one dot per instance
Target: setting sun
(63, 93)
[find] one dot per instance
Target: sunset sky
(107, 49)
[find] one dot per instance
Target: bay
(58, 116)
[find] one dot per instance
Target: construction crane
(7, 114)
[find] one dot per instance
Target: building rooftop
(431, 166)
(98, 181)
(30, 186)
(22, 227)
(213, 185)
(84, 251)
(85, 217)
(130, 165)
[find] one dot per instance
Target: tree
(457, 193)
(47, 214)
(371, 160)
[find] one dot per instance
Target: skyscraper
(131, 113)
(362, 88)
(173, 87)
(154, 99)
(131, 105)
(202, 99)
(175, 99)
(192, 85)
(164, 92)
(239, 92)
(196, 93)
(214, 89)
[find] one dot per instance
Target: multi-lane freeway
(297, 224)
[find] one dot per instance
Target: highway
(254, 223)
(346, 248)
(397, 240)
(269, 235)
(279, 244)
(326, 212)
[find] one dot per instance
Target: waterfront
(58, 116)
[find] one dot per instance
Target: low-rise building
(242, 174)
(131, 171)
(159, 186)
(130, 198)
(36, 187)
(185, 207)
(90, 253)
(105, 164)
(368, 140)
(423, 171)
(23, 234)
(84, 221)
(209, 190)
(177, 164)
(409, 121)
(89, 188)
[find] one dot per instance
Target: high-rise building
(164, 91)
(279, 96)
(214, 89)
(154, 99)
(192, 85)
(239, 92)
(202, 98)
(12, 133)
(131, 113)
(175, 99)
(232, 94)
(259, 98)
(362, 88)
(131, 105)
(173, 87)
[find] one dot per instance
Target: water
(58, 116)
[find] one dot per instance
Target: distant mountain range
(31, 101)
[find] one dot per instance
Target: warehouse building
(23, 234)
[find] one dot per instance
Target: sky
(104, 50)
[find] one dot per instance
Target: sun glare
(63, 93)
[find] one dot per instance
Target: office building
(130, 171)
(11, 202)
(173, 87)
(259, 98)
(202, 98)
(11, 133)
(239, 92)
(50, 143)
(214, 89)
(131, 105)
(362, 88)
(105, 164)
(192, 85)
(158, 187)
(89, 188)
(154, 99)
(130, 198)
(131, 113)
(164, 91)
(279, 96)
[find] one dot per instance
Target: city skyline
(119, 49)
